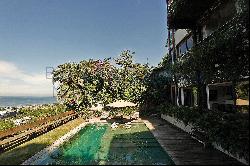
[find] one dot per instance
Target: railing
(169, 2)
(230, 28)
(25, 127)
(185, 13)
(222, 56)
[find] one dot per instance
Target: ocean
(14, 101)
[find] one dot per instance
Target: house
(216, 29)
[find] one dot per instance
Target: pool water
(98, 144)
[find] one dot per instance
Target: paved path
(182, 148)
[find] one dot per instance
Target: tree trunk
(201, 87)
(198, 84)
(199, 91)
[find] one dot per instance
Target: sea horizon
(14, 101)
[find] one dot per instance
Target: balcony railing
(224, 54)
(185, 13)
(230, 31)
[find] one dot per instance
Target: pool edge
(44, 153)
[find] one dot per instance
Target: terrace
(119, 146)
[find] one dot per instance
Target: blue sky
(39, 33)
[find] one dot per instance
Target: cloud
(15, 82)
(7, 68)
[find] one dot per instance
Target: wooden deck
(183, 149)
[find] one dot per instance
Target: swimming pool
(98, 144)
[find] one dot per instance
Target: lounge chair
(128, 125)
(114, 125)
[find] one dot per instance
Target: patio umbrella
(242, 102)
(121, 103)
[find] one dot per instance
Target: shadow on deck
(183, 149)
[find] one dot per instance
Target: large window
(185, 45)
(189, 43)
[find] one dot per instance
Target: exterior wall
(179, 35)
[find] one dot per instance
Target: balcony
(222, 56)
(183, 14)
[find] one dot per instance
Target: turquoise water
(14, 101)
(97, 144)
(82, 148)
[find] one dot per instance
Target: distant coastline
(14, 101)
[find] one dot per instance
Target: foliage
(114, 111)
(230, 130)
(88, 82)
(6, 124)
(183, 14)
(220, 57)
(157, 84)
(80, 84)
(243, 90)
(42, 111)
(35, 112)
(186, 114)
(131, 77)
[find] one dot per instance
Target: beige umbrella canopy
(242, 102)
(121, 103)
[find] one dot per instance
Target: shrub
(6, 124)
(229, 130)
(121, 111)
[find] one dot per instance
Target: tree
(83, 84)
(158, 82)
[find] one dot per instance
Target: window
(182, 48)
(229, 90)
(190, 43)
(185, 45)
(213, 95)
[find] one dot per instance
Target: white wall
(179, 35)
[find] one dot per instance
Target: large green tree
(83, 84)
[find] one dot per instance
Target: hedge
(229, 130)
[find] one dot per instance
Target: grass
(35, 113)
(23, 152)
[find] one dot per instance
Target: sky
(35, 34)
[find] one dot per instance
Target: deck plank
(183, 149)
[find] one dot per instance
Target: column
(207, 90)
(182, 96)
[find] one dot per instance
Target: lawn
(21, 153)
